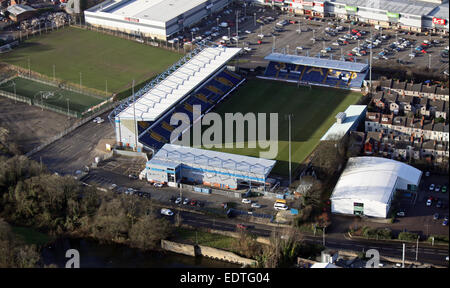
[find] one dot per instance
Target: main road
(426, 253)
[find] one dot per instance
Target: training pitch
(104, 61)
(50, 95)
(313, 109)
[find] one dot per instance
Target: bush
(438, 238)
(407, 236)
(377, 233)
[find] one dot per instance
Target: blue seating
(157, 135)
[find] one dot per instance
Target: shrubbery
(407, 236)
(377, 233)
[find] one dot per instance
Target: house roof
(373, 179)
(19, 9)
(399, 85)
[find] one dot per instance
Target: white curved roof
(373, 178)
(180, 83)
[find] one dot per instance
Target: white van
(280, 206)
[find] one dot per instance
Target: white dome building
(367, 185)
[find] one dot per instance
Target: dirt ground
(29, 126)
(77, 149)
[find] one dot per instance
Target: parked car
(444, 189)
(133, 176)
(438, 188)
(98, 120)
(186, 201)
(167, 212)
(256, 205)
(178, 201)
(193, 202)
(401, 214)
(246, 201)
(158, 185)
(112, 186)
(436, 216)
(439, 204)
(432, 187)
(429, 202)
(445, 223)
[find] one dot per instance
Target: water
(96, 255)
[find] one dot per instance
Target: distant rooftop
(411, 7)
(158, 10)
(19, 9)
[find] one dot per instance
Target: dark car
(439, 204)
(436, 216)
(193, 202)
(172, 199)
(200, 204)
(241, 226)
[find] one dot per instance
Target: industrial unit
(414, 15)
(174, 163)
(367, 186)
(151, 18)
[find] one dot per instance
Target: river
(97, 255)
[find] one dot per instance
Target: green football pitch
(313, 109)
(46, 94)
(102, 60)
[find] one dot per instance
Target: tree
(148, 231)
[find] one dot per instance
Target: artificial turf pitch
(100, 58)
(313, 109)
(77, 102)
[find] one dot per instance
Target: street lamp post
(254, 19)
(229, 34)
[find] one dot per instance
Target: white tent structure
(367, 185)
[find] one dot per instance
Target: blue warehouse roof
(317, 62)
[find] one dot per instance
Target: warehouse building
(151, 18)
(413, 15)
(174, 163)
(367, 186)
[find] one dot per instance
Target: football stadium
(202, 77)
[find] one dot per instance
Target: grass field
(313, 110)
(31, 89)
(97, 56)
